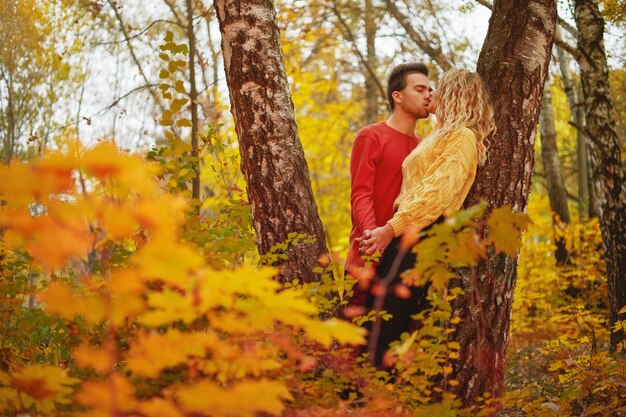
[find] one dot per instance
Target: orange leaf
(111, 396)
(89, 356)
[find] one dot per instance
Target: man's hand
(375, 240)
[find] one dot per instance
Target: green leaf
(164, 74)
(164, 57)
(169, 36)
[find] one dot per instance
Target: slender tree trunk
(606, 160)
(272, 158)
(9, 145)
(193, 102)
(578, 116)
(513, 64)
(371, 90)
(552, 167)
(594, 205)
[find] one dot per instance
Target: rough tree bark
(552, 168)
(272, 158)
(513, 64)
(606, 162)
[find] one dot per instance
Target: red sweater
(376, 178)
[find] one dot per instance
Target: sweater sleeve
(430, 196)
(366, 154)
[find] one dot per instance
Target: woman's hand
(376, 240)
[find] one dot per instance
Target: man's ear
(397, 97)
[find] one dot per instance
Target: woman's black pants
(401, 308)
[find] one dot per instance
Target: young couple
(399, 186)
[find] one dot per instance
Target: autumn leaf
(44, 384)
(245, 399)
(506, 229)
(88, 356)
(151, 352)
(169, 261)
(59, 298)
(159, 407)
(113, 395)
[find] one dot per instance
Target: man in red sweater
(376, 162)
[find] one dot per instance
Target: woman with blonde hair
(436, 178)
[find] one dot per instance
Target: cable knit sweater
(436, 178)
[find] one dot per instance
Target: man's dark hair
(397, 78)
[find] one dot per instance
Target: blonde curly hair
(463, 102)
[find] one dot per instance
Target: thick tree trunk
(606, 161)
(552, 168)
(272, 158)
(513, 64)
(371, 88)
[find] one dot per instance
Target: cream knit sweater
(436, 178)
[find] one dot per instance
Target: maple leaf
(59, 298)
(169, 261)
(246, 399)
(151, 352)
(158, 407)
(44, 384)
(111, 396)
(506, 227)
(88, 356)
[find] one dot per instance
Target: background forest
(136, 279)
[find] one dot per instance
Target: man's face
(414, 98)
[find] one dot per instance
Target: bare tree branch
(350, 35)
(433, 51)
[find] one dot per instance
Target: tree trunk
(606, 160)
(552, 167)
(272, 158)
(513, 64)
(193, 103)
(578, 116)
(371, 90)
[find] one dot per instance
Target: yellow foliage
(59, 298)
(152, 352)
(41, 385)
(112, 396)
(148, 300)
(245, 399)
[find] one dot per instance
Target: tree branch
(434, 52)
(348, 33)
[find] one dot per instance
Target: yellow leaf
(158, 407)
(150, 353)
(246, 399)
(168, 260)
(506, 227)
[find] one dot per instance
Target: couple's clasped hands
(375, 241)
